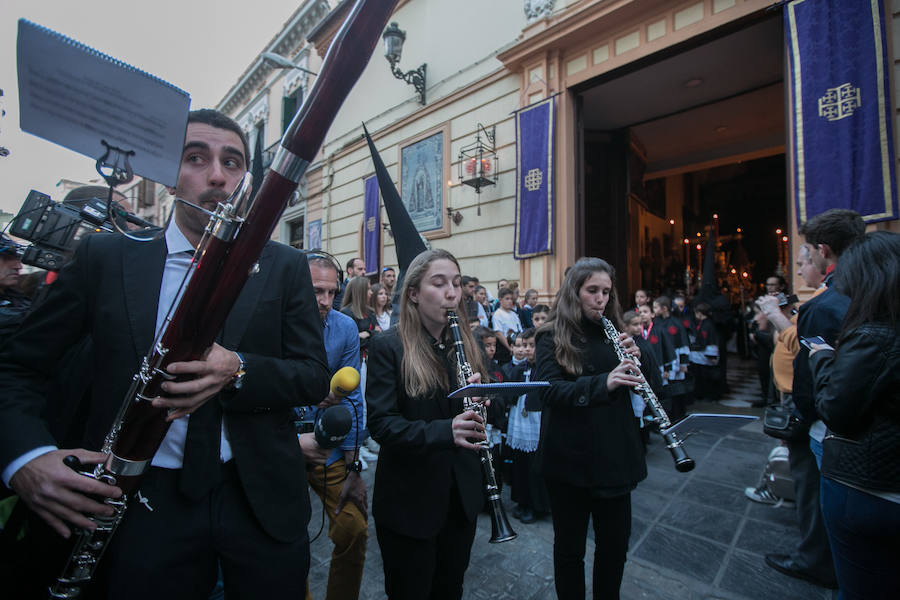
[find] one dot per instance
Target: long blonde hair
(422, 371)
(567, 315)
(355, 296)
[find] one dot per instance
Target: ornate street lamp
(393, 49)
(478, 162)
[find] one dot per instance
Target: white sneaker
(365, 454)
(762, 495)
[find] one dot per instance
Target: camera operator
(79, 196)
(762, 342)
(54, 229)
(13, 303)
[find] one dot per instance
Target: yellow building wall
(483, 244)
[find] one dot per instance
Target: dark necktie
(201, 467)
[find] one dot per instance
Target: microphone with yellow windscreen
(334, 423)
(344, 381)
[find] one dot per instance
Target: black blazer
(589, 436)
(820, 315)
(109, 292)
(418, 462)
(858, 397)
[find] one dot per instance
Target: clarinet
(683, 462)
(501, 531)
(231, 245)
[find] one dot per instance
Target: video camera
(55, 228)
(784, 300)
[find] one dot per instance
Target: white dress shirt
(178, 258)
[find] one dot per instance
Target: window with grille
(295, 232)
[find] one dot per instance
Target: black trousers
(707, 385)
(813, 553)
(432, 568)
(173, 551)
(528, 489)
(571, 508)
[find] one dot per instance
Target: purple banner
(534, 172)
(842, 116)
(371, 226)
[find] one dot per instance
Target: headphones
(318, 253)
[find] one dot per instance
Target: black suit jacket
(109, 292)
(418, 462)
(821, 315)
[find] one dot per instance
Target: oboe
(501, 531)
(683, 462)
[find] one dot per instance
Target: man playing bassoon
(226, 485)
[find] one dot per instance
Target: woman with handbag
(857, 391)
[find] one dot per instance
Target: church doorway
(691, 141)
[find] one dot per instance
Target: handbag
(781, 421)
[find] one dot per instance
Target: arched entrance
(688, 140)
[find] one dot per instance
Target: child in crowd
(497, 412)
(649, 367)
(525, 312)
(641, 298)
(514, 287)
(528, 489)
(674, 396)
(381, 306)
(488, 341)
(704, 354)
(512, 369)
(501, 284)
(681, 313)
(663, 352)
(540, 315)
(481, 297)
(505, 321)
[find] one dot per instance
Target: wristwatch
(237, 380)
(355, 466)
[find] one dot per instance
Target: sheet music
(74, 96)
(719, 425)
(486, 389)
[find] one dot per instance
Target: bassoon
(231, 245)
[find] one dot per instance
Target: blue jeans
(816, 447)
(864, 532)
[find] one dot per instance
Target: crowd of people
(224, 508)
(818, 366)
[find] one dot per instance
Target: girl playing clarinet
(428, 483)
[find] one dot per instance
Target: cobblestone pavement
(694, 536)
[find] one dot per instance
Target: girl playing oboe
(590, 450)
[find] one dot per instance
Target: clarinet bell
(501, 530)
(683, 462)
